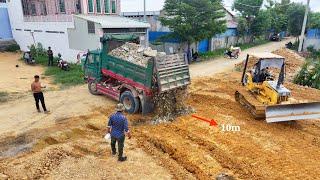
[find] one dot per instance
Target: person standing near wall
(50, 57)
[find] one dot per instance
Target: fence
(312, 39)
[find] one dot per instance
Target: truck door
(91, 67)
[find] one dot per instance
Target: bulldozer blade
(290, 112)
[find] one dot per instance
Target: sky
(156, 5)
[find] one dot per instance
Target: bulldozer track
(258, 112)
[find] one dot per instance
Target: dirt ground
(17, 79)
(68, 143)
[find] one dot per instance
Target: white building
(51, 23)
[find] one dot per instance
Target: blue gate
(203, 46)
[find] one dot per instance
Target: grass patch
(66, 78)
(212, 54)
(4, 96)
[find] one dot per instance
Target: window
(107, 6)
(62, 7)
(113, 6)
(78, 7)
(91, 28)
(33, 10)
(25, 7)
(90, 6)
(43, 8)
(2, 1)
(98, 5)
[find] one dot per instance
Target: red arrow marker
(211, 121)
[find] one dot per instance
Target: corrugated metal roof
(266, 55)
(141, 13)
(109, 21)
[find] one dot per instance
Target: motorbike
(232, 54)
(63, 64)
(28, 59)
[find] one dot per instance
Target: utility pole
(304, 26)
(144, 11)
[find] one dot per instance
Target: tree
(278, 15)
(242, 27)
(248, 8)
(194, 20)
(295, 15)
(261, 24)
(314, 20)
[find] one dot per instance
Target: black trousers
(120, 142)
(39, 97)
(50, 61)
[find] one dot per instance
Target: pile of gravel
(134, 53)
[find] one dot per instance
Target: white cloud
(156, 5)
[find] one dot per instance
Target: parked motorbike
(28, 59)
(232, 54)
(289, 45)
(63, 64)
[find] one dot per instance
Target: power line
(279, 5)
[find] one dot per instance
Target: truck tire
(131, 103)
(92, 86)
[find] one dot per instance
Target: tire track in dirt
(184, 151)
(299, 147)
(260, 151)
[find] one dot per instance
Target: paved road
(221, 64)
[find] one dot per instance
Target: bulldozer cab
(265, 62)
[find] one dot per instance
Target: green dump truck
(132, 84)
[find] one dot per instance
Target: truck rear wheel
(92, 86)
(131, 103)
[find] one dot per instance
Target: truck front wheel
(92, 86)
(131, 103)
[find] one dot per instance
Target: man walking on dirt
(37, 93)
(117, 127)
(50, 57)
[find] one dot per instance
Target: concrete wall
(52, 34)
(5, 27)
(79, 34)
(311, 42)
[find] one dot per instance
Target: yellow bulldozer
(264, 94)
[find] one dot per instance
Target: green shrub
(315, 54)
(37, 50)
(309, 75)
(13, 48)
(4, 96)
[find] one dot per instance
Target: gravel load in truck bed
(134, 53)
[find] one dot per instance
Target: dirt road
(17, 79)
(219, 65)
(68, 143)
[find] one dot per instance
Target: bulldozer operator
(263, 75)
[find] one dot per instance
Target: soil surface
(69, 144)
(17, 79)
